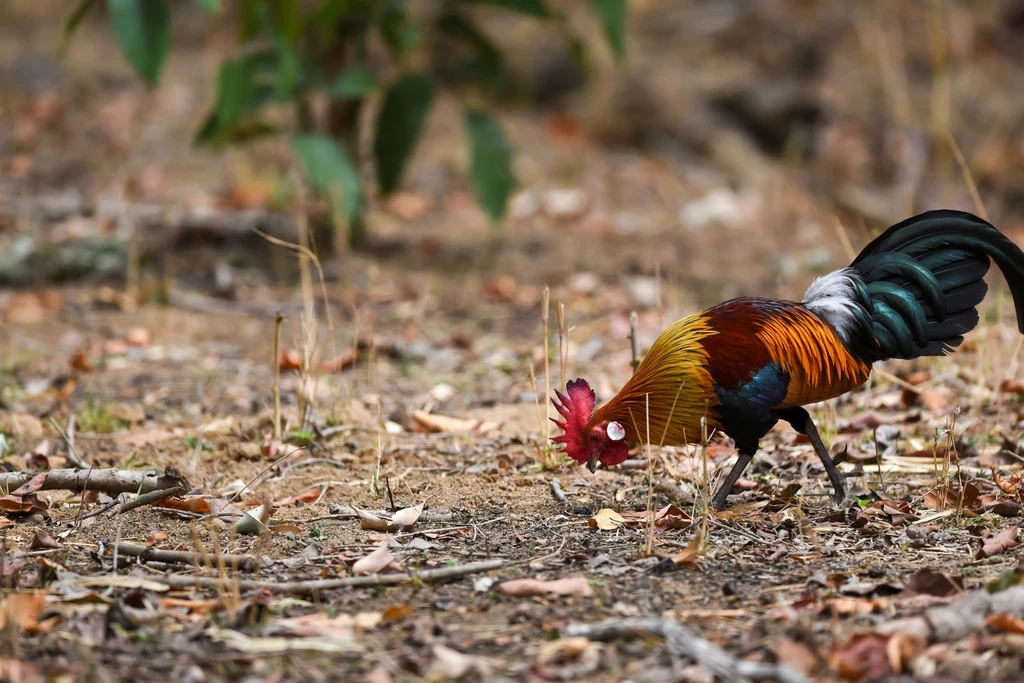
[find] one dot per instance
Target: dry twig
(314, 586)
(682, 642)
(245, 563)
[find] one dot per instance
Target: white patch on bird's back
(833, 298)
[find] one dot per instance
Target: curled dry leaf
(946, 497)
(373, 563)
(865, 657)
(575, 586)
(308, 497)
(687, 557)
(453, 664)
(1006, 622)
(931, 582)
(396, 612)
(453, 425)
(6, 523)
(408, 516)
(668, 517)
(796, 655)
(44, 541)
(606, 519)
(24, 498)
(23, 609)
(1003, 541)
(290, 359)
(371, 522)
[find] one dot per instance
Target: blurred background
(446, 159)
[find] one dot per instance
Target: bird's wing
(772, 354)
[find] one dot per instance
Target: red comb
(576, 406)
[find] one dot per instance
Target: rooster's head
(584, 442)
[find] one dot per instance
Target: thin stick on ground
(544, 316)
(634, 339)
(278, 319)
(315, 586)
(681, 642)
(151, 497)
(245, 563)
(69, 440)
(965, 171)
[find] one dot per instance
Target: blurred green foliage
(291, 51)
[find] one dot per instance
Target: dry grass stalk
(278, 319)
(545, 312)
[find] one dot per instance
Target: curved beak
(592, 463)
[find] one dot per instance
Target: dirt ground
(664, 190)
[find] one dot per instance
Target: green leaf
(238, 96)
(210, 6)
(399, 32)
(143, 32)
(490, 166)
(612, 14)
(535, 8)
(486, 64)
(331, 171)
(399, 125)
(352, 85)
(74, 20)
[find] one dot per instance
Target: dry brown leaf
(308, 497)
(373, 563)
(902, 649)
(18, 671)
(80, 361)
(1004, 540)
(668, 517)
(44, 541)
(378, 674)
(946, 497)
(371, 522)
(290, 359)
(320, 624)
(24, 498)
(345, 359)
(931, 582)
(396, 612)
(606, 519)
(6, 523)
(1006, 622)
(575, 586)
(796, 655)
(408, 516)
(1013, 386)
(847, 607)
(561, 650)
(138, 336)
(146, 437)
(23, 609)
(452, 664)
(452, 425)
(864, 657)
(687, 557)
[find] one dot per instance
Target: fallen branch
(959, 619)
(151, 497)
(245, 563)
(112, 481)
(314, 586)
(682, 642)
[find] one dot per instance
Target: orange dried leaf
(575, 587)
(308, 497)
(1006, 622)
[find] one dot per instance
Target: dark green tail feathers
(925, 277)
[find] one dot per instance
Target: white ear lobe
(616, 432)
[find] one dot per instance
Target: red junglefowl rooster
(748, 363)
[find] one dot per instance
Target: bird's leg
(801, 421)
(745, 456)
